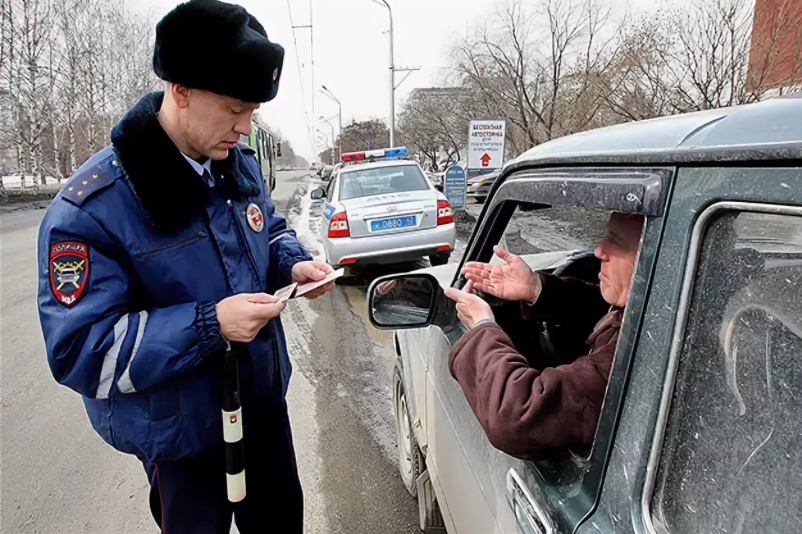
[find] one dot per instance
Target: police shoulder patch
(87, 182)
(69, 271)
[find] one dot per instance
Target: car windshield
(382, 180)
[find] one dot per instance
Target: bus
(262, 141)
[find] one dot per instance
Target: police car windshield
(382, 180)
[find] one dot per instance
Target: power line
(301, 83)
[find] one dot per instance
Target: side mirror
(402, 301)
(318, 194)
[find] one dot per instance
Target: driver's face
(617, 252)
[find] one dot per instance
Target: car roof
(767, 130)
(376, 165)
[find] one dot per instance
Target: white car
(384, 210)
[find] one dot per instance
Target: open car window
(561, 231)
(559, 241)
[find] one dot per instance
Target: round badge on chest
(255, 218)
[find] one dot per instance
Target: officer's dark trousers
(189, 496)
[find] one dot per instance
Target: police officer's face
(213, 123)
(618, 252)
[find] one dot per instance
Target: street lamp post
(332, 136)
(393, 70)
(339, 118)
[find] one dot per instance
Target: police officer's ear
(180, 94)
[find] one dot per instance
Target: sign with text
(454, 186)
(486, 140)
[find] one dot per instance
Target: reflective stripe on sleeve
(124, 384)
(110, 360)
(283, 234)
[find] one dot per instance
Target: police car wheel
(410, 458)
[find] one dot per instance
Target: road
(58, 477)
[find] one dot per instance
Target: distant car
(384, 211)
(479, 186)
(325, 171)
(437, 179)
(330, 174)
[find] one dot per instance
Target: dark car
(699, 430)
(479, 186)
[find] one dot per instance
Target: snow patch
(306, 225)
(14, 181)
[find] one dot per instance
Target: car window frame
(331, 188)
(651, 189)
(689, 279)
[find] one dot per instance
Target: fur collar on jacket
(166, 185)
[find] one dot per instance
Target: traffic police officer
(162, 250)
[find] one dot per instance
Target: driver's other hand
(385, 287)
(512, 280)
(470, 308)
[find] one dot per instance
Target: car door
(482, 489)
(709, 437)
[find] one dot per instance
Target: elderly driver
(524, 408)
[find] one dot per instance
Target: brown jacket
(525, 410)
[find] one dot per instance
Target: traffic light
(278, 149)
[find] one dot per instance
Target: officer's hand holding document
(314, 279)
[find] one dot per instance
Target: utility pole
(311, 48)
(329, 94)
(393, 70)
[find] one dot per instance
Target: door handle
(529, 514)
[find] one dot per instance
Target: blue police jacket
(134, 254)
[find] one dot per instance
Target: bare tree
(433, 121)
(541, 70)
(356, 135)
(6, 101)
(711, 54)
(33, 24)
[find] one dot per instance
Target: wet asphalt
(58, 477)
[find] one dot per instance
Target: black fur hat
(218, 47)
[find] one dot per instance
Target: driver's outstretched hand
(512, 280)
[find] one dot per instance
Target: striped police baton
(232, 428)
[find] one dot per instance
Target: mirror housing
(318, 194)
(403, 301)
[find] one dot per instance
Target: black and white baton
(232, 428)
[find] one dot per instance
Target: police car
(382, 209)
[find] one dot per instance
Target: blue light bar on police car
(373, 155)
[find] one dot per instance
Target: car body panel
(422, 205)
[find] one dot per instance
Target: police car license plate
(392, 223)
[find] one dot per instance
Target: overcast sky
(351, 54)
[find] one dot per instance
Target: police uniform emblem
(69, 271)
(255, 218)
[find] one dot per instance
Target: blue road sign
(368, 143)
(455, 185)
